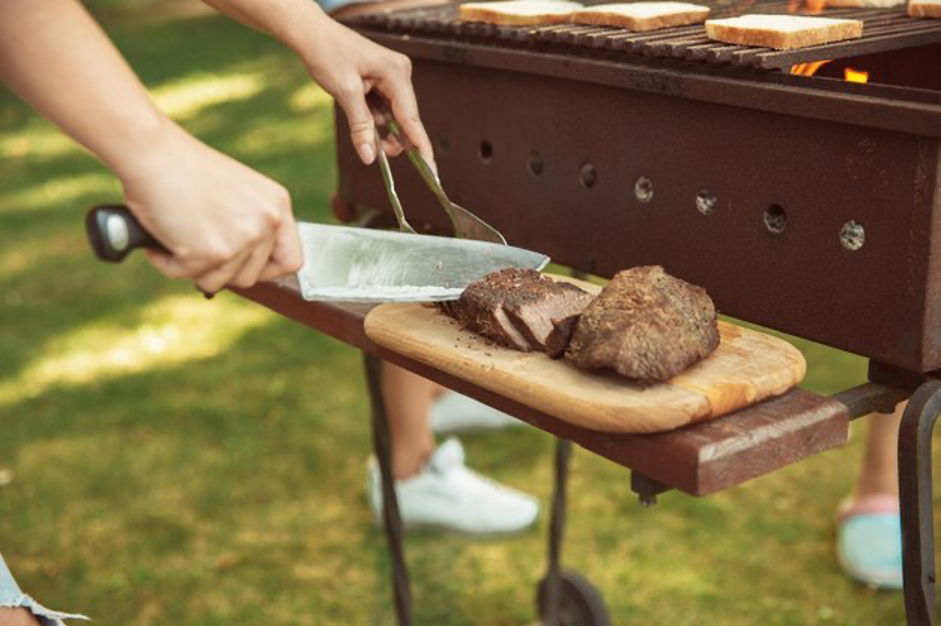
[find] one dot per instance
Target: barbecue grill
(810, 205)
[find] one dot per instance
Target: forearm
(55, 57)
(295, 23)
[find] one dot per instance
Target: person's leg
(17, 616)
(869, 541)
(878, 474)
(408, 399)
(433, 486)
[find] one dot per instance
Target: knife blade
(365, 265)
(350, 264)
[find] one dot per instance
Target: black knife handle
(113, 232)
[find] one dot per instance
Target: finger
(398, 88)
(217, 278)
(391, 146)
(287, 256)
(352, 98)
(167, 265)
(248, 274)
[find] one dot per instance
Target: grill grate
(883, 30)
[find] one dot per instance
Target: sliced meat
(533, 311)
(560, 336)
(516, 307)
(646, 325)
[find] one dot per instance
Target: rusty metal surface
(884, 29)
(701, 459)
(870, 398)
(628, 178)
(916, 499)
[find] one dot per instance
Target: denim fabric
(12, 596)
(329, 6)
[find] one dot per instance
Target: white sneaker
(447, 495)
(453, 412)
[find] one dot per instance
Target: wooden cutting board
(747, 367)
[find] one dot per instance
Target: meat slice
(516, 307)
(534, 310)
(560, 336)
(646, 325)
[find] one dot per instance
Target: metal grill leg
(563, 452)
(382, 444)
(915, 495)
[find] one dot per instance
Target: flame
(813, 7)
(855, 76)
(849, 74)
(808, 69)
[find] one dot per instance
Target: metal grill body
(806, 205)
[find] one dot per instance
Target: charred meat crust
(646, 325)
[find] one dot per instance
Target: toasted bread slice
(642, 16)
(864, 4)
(924, 8)
(782, 32)
(519, 12)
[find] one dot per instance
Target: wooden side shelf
(701, 459)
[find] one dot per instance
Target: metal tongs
(466, 224)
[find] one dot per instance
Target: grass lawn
(168, 460)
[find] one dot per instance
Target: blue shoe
(869, 541)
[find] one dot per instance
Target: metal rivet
(535, 163)
(485, 152)
(118, 234)
(852, 235)
(588, 176)
(706, 202)
(643, 189)
(775, 218)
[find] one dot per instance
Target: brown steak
(646, 325)
(516, 307)
(560, 336)
(533, 311)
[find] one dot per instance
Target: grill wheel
(580, 602)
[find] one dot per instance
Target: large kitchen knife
(350, 264)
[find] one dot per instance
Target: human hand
(349, 66)
(222, 222)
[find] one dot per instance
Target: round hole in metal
(535, 163)
(643, 189)
(775, 218)
(706, 202)
(588, 176)
(485, 152)
(852, 235)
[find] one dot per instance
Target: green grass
(178, 461)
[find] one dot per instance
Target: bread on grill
(924, 8)
(864, 4)
(519, 12)
(782, 32)
(642, 16)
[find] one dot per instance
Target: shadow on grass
(223, 472)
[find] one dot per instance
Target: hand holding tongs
(466, 224)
